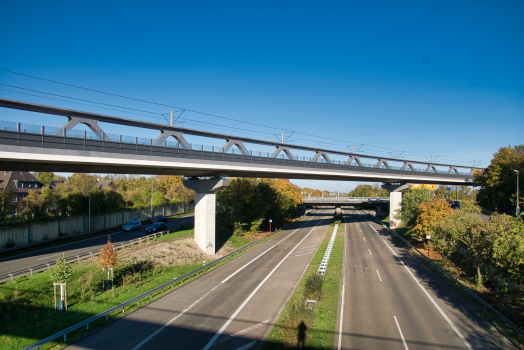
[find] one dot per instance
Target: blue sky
(432, 78)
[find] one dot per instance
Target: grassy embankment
(73, 238)
(319, 323)
(510, 305)
(26, 305)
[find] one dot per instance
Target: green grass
(26, 305)
(320, 322)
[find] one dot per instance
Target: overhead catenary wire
(339, 143)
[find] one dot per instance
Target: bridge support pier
(395, 203)
(395, 200)
(205, 208)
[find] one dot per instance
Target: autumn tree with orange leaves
(432, 215)
(107, 259)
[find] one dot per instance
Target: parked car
(132, 225)
(159, 218)
(157, 226)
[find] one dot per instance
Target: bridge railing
(49, 137)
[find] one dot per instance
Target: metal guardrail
(35, 138)
(325, 260)
(78, 257)
(149, 294)
(74, 236)
(465, 288)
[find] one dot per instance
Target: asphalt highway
(391, 300)
(232, 307)
(42, 256)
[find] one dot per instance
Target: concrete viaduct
(25, 147)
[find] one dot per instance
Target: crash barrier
(78, 257)
(465, 288)
(177, 282)
(325, 260)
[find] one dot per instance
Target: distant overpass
(347, 201)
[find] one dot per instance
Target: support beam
(408, 165)
(285, 150)
(354, 158)
(452, 170)
(92, 124)
(177, 135)
(380, 162)
(205, 209)
(239, 144)
(324, 155)
(431, 166)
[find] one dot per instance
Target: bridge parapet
(166, 131)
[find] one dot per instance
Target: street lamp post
(518, 208)
(89, 219)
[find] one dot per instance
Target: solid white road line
(221, 330)
(379, 276)
(249, 263)
(434, 303)
(173, 320)
(242, 332)
(343, 294)
(47, 257)
(401, 335)
(369, 252)
(196, 302)
(247, 346)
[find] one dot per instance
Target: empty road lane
(391, 300)
(234, 306)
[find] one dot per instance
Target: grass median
(315, 328)
(27, 312)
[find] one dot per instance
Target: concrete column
(395, 202)
(205, 207)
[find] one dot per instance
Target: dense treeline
(72, 196)
(499, 181)
(247, 204)
(491, 250)
(369, 191)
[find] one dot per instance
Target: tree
(62, 270)
(507, 254)
(431, 216)
(447, 238)
(44, 177)
(6, 203)
(61, 274)
(499, 181)
(108, 258)
(411, 200)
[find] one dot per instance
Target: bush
(313, 286)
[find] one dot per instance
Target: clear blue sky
(441, 78)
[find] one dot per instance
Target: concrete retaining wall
(37, 232)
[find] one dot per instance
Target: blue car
(132, 225)
(157, 226)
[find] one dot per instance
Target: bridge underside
(198, 164)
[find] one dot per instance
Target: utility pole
(151, 198)
(171, 117)
(282, 137)
(353, 148)
(518, 208)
